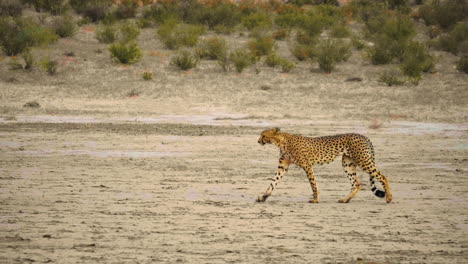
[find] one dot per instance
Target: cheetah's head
(269, 136)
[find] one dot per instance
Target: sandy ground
(131, 193)
(171, 175)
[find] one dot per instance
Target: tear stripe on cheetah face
(305, 152)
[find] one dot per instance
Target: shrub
(281, 34)
(14, 64)
(241, 59)
(184, 60)
(462, 64)
(357, 43)
(416, 59)
(313, 25)
(212, 48)
(257, 20)
(289, 19)
(48, 65)
(126, 53)
(126, 9)
(218, 13)
(64, 26)
(456, 41)
(18, 34)
(93, 9)
(11, 8)
(224, 62)
(339, 30)
(175, 35)
(286, 66)
(303, 52)
(163, 11)
(128, 31)
(55, 7)
(28, 59)
(273, 60)
(443, 13)
(330, 52)
(147, 76)
(261, 45)
(106, 34)
(392, 77)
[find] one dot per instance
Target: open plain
(114, 169)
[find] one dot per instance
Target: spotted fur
(305, 152)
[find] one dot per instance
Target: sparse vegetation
(261, 45)
(11, 8)
(125, 53)
(184, 60)
(18, 34)
(64, 26)
(462, 64)
(392, 77)
(241, 59)
(106, 34)
(416, 60)
(330, 52)
(49, 65)
(175, 35)
(147, 76)
(212, 48)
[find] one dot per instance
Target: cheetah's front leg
(313, 184)
(282, 169)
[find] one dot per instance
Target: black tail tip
(380, 194)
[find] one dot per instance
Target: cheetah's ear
(277, 129)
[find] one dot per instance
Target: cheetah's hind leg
(349, 166)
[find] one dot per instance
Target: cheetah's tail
(377, 192)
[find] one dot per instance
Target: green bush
(95, 10)
(175, 35)
(390, 37)
(365, 10)
(125, 53)
(456, 41)
(313, 25)
(444, 13)
(147, 76)
(273, 60)
(392, 77)
(18, 34)
(128, 31)
(261, 45)
(219, 13)
(330, 52)
(290, 19)
(55, 7)
(241, 59)
(462, 64)
(48, 65)
(184, 60)
(257, 20)
(339, 30)
(64, 26)
(302, 52)
(416, 60)
(106, 34)
(286, 66)
(212, 48)
(11, 8)
(224, 62)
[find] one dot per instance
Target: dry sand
(172, 174)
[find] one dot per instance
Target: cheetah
(305, 152)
